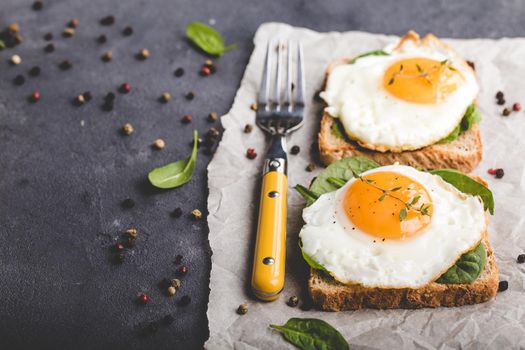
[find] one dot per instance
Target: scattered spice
(499, 95)
(196, 214)
(250, 153)
(472, 65)
(80, 100)
(15, 60)
(107, 56)
(127, 31)
(143, 298)
(35, 96)
(48, 36)
(253, 106)
(499, 173)
(501, 101)
(184, 301)
(171, 290)
(73, 23)
(38, 5)
(49, 48)
(143, 54)
(177, 213)
(165, 97)
(19, 80)
(212, 133)
(190, 95)
(119, 247)
(205, 71)
(516, 107)
(293, 301)
(128, 203)
(295, 150)
(102, 39)
(34, 71)
(127, 129)
(87, 96)
(521, 259)
(248, 128)
(13, 28)
(503, 286)
(159, 144)
(175, 283)
(187, 118)
(108, 20)
(132, 232)
(506, 112)
(179, 72)
(242, 309)
(491, 171)
(310, 167)
(125, 88)
(68, 32)
(110, 96)
(65, 65)
(212, 117)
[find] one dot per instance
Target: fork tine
(278, 92)
(264, 90)
(288, 88)
(300, 75)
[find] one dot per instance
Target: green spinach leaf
(370, 53)
(177, 173)
(471, 117)
(468, 185)
(337, 129)
(309, 196)
(452, 136)
(2, 45)
(207, 38)
(342, 169)
(467, 269)
(312, 334)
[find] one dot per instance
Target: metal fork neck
(276, 159)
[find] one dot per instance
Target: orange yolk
(380, 215)
(421, 80)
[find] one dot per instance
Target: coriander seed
(253, 106)
(132, 232)
(107, 56)
(127, 129)
(80, 100)
(165, 97)
(242, 309)
(175, 283)
(143, 54)
(293, 301)
(171, 290)
(212, 117)
(248, 128)
(15, 60)
(159, 144)
(68, 32)
(196, 214)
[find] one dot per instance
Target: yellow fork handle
(270, 245)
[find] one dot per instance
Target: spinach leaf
(207, 38)
(2, 45)
(466, 184)
(471, 117)
(467, 269)
(337, 129)
(312, 334)
(177, 173)
(309, 260)
(370, 53)
(309, 196)
(342, 169)
(452, 136)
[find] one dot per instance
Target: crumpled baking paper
(234, 183)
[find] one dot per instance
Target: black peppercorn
(177, 213)
(184, 301)
(19, 80)
(310, 167)
(179, 72)
(499, 95)
(128, 203)
(48, 36)
(35, 71)
(501, 101)
(293, 301)
(107, 21)
(38, 5)
(110, 96)
(190, 95)
(127, 31)
(499, 173)
(65, 65)
(521, 259)
(295, 150)
(503, 286)
(102, 39)
(49, 48)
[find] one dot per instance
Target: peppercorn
(516, 107)
(506, 112)
(127, 129)
(178, 259)
(110, 96)
(248, 128)
(132, 232)
(49, 48)
(107, 56)
(179, 72)
(503, 286)
(48, 36)
(128, 203)
(177, 213)
(499, 173)
(65, 65)
(68, 32)
(80, 100)
(205, 71)
(184, 301)
(501, 101)
(171, 290)
(119, 247)
(13, 28)
(187, 118)
(499, 95)
(253, 106)
(125, 88)
(175, 283)
(212, 117)
(34, 71)
(491, 171)
(18, 38)
(212, 133)
(190, 95)
(107, 21)
(159, 144)
(242, 309)
(108, 105)
(165, 97)
(15, 60)
(102, 39)
(293, 301)
(19, 80)
(168, 319)
(295, 150)
(521, 259)
(250, 153)
(87, 96)
(208, 63)
(38, 5)
(143, 298)
(310, 167)
(143, 54)
(73, 23)
(196, 214)
(127, 31)
(35, 96)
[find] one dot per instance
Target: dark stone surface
(62, 184)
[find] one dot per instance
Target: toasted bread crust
(330, 295)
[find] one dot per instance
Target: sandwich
(396, 237)
(412, 103)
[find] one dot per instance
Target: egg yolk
(422, 80)
(388, 205)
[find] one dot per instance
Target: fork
(278, 114)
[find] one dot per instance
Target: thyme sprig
(445, 64)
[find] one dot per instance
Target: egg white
(354, 257)
(354, 93)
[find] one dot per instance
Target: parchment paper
(234, 184)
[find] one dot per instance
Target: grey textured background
(61, 184)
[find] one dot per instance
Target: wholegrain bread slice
(462, 154)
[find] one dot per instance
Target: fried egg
(363, 236)
(411, 98)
